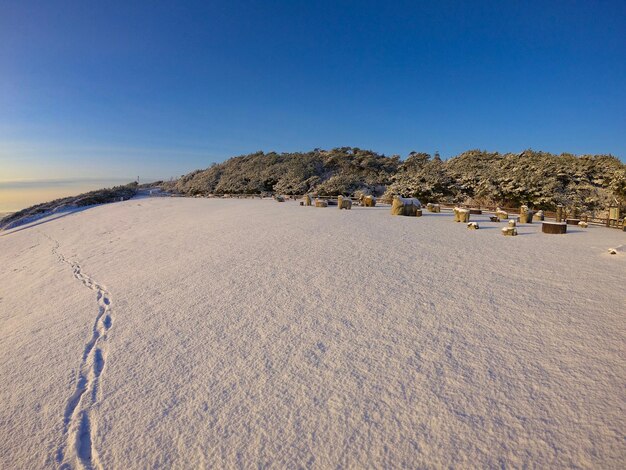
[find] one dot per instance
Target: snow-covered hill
(204, 333)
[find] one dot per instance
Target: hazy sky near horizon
(119, 89)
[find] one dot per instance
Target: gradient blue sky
(93, 89)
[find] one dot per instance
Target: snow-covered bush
(538, 179)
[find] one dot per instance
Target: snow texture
(205, 333)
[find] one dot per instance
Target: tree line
(538, 179)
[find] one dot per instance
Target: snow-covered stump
(494, 218)
(500, 214)
(433, 207)
(473, 226)
(525, 215)
(307, 200)
(554, 227)
(583, 224)
(321, 203)
(461, 215)
(538, 216)
(344, 203)
(509, 231)
(410, 207)
(512, 223)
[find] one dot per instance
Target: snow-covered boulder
(509, 231)
(344, 203)
(433, 207)
(525, 215)
(500, 214)
(367, 201)
(461, 215)
(406, 206)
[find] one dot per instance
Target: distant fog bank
(17, 195)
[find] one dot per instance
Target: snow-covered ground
(203, 333)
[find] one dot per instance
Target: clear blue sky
(105, 89)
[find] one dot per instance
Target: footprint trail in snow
(77, 449)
